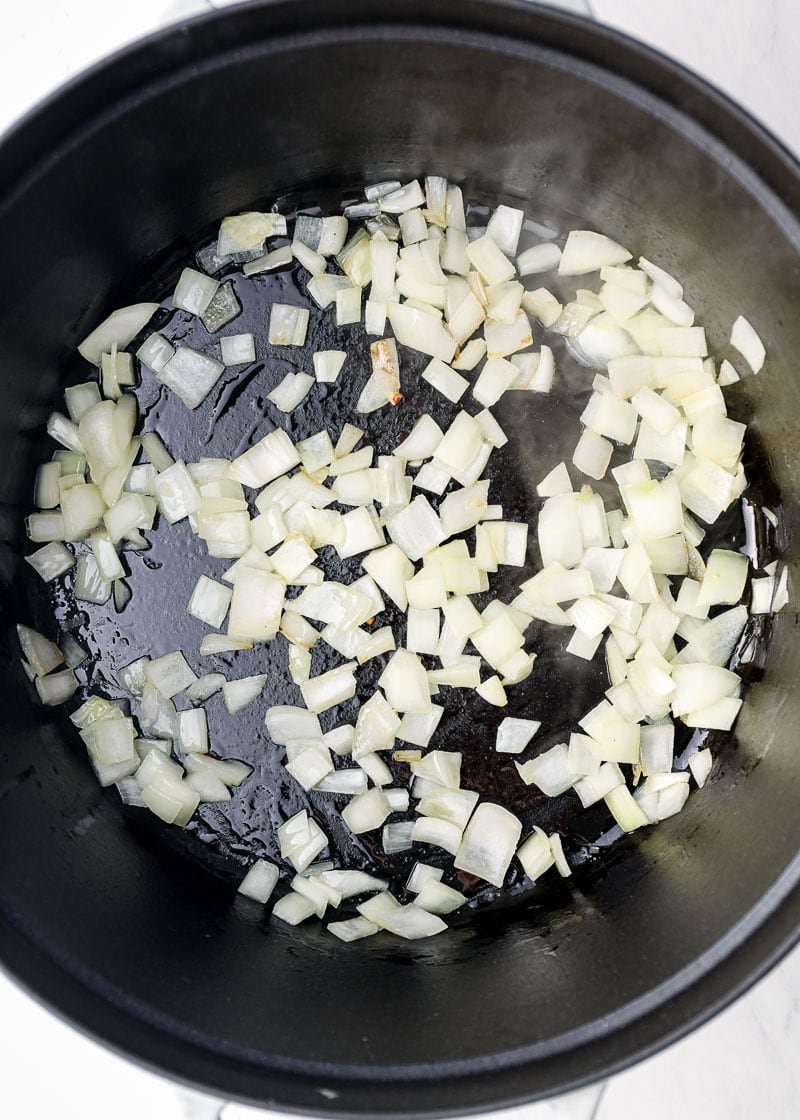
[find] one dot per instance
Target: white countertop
(743, 1063)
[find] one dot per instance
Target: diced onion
(260, 881)
(120, 328)
(514, 734)
(748, 343)
(489, 843)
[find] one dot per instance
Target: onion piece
(539, 258)
(586, 251)
(452, 805)
(170, 674)
(221, 643)
(422, 631)
(191, 375)
(376, 726)
(170, 798)
(559, 531)
(445, 379)
(194, 291)
(719, 715)
(238, 693)
(293, 908)
(310, 765)
(367, 811)
(700, 765)
(469, 356)
(238, 349)
(176, 493)
(409, 922)
(390, 569)
(698, 686)
(46, 488)
(592, 788)
(492, 692)
(416, 529)
(437, 898)
(725, 578)
(64, 432)
(57, 687)
(625, 810)
(413, 227)
(260, 881)
(489, 843)
(301, 840)
(256, 605)
(74, 653)
(514, 734)
(119, 328)
(559, 858)
(461, 674)
(291, 391)
(551, 771)
(131, 512)
(422, 441)
(418, 728)
(247, 232)
(657, 745)
(396, 837)
(328, 365)
(557, 481)
(535, 854)
(441, 767)
(505, 226)
(745, 339)
(421, 874)
(202, 688)
(285, 723)
(495, 377)
(192, 731)
(489, 260)
(404, 198)
(345, 783)
(728, 374)
(287, 325)
(383, 385)
(90, 587)
(329, 689)
(51, 560)
(209, 601)
(497, 641)
(421, 331)
(227, 771)
(405, 683)
(439, 833)
(155, 352)
(333, 234)
(323, 288)
(352, 929)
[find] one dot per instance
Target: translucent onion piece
(191, 375)
(260, 881)
(514, 734)
(120, 328)
(237, 694)
(748, 343)
(489, 843)
(51, 560)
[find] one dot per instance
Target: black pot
(110, 179)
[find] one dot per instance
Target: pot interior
(103, 196)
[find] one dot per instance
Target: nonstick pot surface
(102, 193)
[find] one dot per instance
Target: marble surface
(740, 1065)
